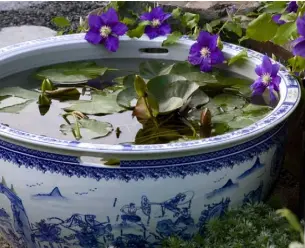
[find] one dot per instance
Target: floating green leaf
(61, 22)
(72, 72)
(226, 117)
(19, 92)
(198, 98)
(240, 56)
(13, 104)
(126, 97)
(285, 33)
(172, 38)
(140, 86)
(255, 30)
(229, 102)
(102, 105)
(240, 122)
(256, 110)
(151, 68)
(139, 30)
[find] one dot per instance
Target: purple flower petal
(205, 65)
(156, 13)
(299, 49)
(300, 39)
(151, 32)
(93, 37)
(112, 43)
(301, 25)
(213, 42)
(195, 48)
(110, 17)
(195, 59)
(95, 22)
(275, 70)
(165, 16)
(146, 17)
(204, 38)
(164, 29)
(276, 18)
(292, 7)
(266, 65)
(259, 70)
(217, 57)
(273, 97)
(276, 83)
(258, 87)
(119, 28)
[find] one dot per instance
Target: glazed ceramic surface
(57, 193)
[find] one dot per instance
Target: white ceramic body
(56, 193)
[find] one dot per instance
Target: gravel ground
(41, 13)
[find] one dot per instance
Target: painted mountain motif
(229, 185)
(55, 193)
(256, 166)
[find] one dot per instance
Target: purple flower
(205, 52)
(291, 7)
(268, 78)
(158, 25)
(299, 43)
(105, 29)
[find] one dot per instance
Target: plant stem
(222, 27)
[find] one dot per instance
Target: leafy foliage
(250, 226)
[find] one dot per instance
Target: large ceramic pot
(57, 193)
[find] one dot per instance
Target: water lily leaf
(140, 86)
(220, 128)
(170, 104)
(256, 110)
(151, 68)
(200, 78)
(128, 81)
(227, 117)
(229, 102)
(180, 68)
(240, 56)
(89, 128)
(240, 122)
(19, 92)
(100, 105)
(172, 38)
(72, 72)
(198, 98)
(126, 98)
(255, 30)
(14, 105)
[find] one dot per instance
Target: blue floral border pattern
(290, 101)
(140, 170)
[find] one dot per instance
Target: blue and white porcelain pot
(56, 193)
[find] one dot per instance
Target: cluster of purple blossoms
(205, 52)
(158, 23)
(268, 78)
(291, 7)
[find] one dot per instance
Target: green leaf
(101, 105)
(151, 68)
(201, 78)
(128, 21)
(140, 86)
(255, 110)
(208, 28)
(13, 104)
(100, 128)
(240, 56)
(176, 13)
(263, 28)
(139, 30)
(172, 38)
(19, 92)
(215, 23)
(297, 63)
(72, 72)
(179, 68)
(190, 20)
(153, 104)
(61, 22)
(198, 98)
(229, 102)
(226, 117)
(291, 218)
(275, 7)
(234, 27)
(289, 17)
(126, 98)
(285, 33)
(240, 122)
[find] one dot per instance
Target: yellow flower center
(266, 78)
(105, 31)
(155, 22)
(205, 52)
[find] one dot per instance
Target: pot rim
(290, 93)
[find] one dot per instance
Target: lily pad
(256, 110)
(227, 117)
(126, 98)
(229, 102)
(14, 106)
(198, 98)
(19, 92)
(89, 128)
(71, 73)
(151, 68)
(240, 122)
(99, 105)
